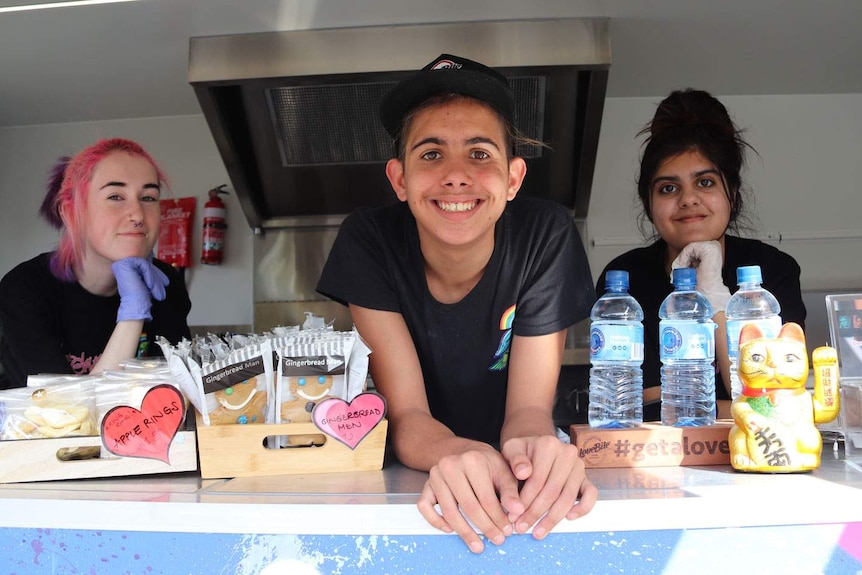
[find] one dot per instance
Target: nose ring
(138, 224)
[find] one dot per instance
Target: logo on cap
(445, 65)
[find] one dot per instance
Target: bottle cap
(685, 278)
(748, 274)
(617, 279)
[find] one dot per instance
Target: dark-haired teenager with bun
(690, 186)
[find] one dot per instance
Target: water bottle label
(769, 327)
(686, 340)
(617, 343)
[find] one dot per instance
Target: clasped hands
(481, 488)
(138, 282)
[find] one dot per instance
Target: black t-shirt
(537, 282)
(52, 326)
(649, 284)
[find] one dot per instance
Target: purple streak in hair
(49, 209)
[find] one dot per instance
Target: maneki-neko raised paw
(774, 418)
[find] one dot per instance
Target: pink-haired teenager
(100, 298)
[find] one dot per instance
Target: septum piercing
(138, 224)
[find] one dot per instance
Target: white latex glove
(706, 258)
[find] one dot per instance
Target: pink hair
(69, 201)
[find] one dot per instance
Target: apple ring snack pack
(63, 409)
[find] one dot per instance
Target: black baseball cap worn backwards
(447, 74)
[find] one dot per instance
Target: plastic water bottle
(750, 304)
(687, 353)
(616, 355)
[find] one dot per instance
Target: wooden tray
(37, 460)
(240, 451)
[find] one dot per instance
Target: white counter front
(648, 520)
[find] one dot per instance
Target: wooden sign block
(653, 445)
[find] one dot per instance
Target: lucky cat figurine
(773, 420)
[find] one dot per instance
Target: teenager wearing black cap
(464, 293)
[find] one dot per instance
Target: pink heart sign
(351, 422)
(147, 432)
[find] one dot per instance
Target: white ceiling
(130, 60)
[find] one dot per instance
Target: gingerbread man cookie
(240, 403)
(307, 391)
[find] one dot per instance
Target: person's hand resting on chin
(138, 282)
(706, 258)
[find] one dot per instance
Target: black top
(538, 266)
(649, 284)
(52, 326)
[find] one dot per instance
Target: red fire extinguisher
(215, 223)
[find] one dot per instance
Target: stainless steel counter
(341, 514)
(655, 492)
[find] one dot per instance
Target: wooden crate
(36, 460)
(240, 451)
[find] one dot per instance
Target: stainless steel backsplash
(287, 264)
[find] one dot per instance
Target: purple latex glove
(138, 280)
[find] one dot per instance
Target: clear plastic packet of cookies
(314, 365)
(146, 365)
(281, 331)
(152, 369)
(239, 388)
(342, 354)
(308, 373)
(43, 379)
(357, 366)
(181, 362)
(213, 348)
(239, 340)
(111, 393)
(316, 322)
(59, 408)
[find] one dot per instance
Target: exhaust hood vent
(353, 133)
(294, 114)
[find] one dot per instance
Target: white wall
(183, 147)
(805, 185)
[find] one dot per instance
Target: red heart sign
(149, 431)
(349, 423)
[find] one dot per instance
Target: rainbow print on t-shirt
(501, 356)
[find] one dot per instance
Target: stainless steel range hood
(294, 114)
